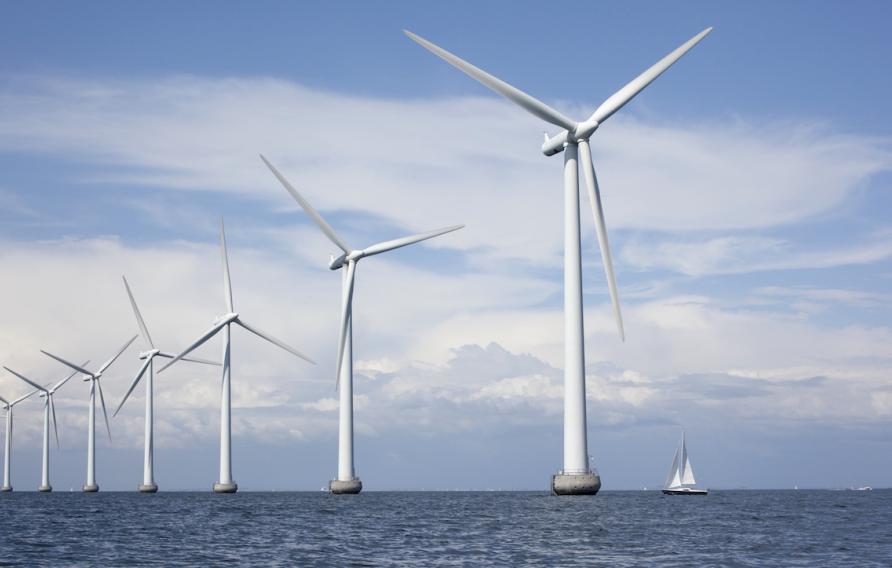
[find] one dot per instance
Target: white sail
(676, 481)
(688, 475)
(687, 472)
(673, 479)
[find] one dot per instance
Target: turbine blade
(77, 368)
(104, 412)
(139, 375)
(227, 282)
(68, 378)
(142, 325)
(397, 243)
(55, 424)
(273, 340)
(21, 398)
(515, 95)
(26, 379)
(308, 209)
(594, 195)
(618, 99)
(167, 355)
(118, 354)
(346, 313)
(4, 401)
(198, 342)
(227, 355)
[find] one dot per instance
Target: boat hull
(685, 491)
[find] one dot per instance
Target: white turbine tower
(223, 323)
(7, 448)
(48, 407)
(576, 477)
(148, 484)
(347, 482)
(90, 486)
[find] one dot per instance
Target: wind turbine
(90, 486)
(347, 482)
(148, 484)
(576, 476)
(7, 449)
(48, 406)
(223, 323)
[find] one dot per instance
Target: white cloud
(471, 160)
(68, 297)
(322, 405)
(743, 254)
(438, 349)
(857, 298)
(686, 356)
(331, 404)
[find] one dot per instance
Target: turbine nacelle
(149, 354)
(337, 262)
(227, 318)
(556, 144)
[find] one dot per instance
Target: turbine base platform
(148, 488)
(348, 487)
(575, 484)
(230, 487)
(45, 488)
(6, 489)
(91, 488)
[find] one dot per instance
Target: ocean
(614, 528)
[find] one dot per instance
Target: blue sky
(746, 194)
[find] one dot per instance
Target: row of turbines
(576, 476)
(346, 481)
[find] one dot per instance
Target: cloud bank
(462, 335)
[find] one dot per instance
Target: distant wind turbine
(223, 323)
(576, 476)
(347, 482)
(48, 406)
(148, 484)
(93, 376)
(7, 448)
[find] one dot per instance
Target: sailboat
(680, 480)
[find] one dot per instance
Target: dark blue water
(727, 528)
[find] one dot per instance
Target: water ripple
(728, 528)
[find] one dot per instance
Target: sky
(746, 193)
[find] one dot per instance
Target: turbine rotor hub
(339, 262)
(556, 144)
(228, 318)
(149, 353)
(584, 130)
